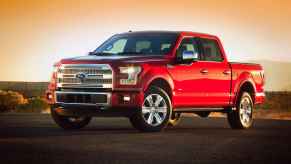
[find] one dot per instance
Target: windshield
(137, 44)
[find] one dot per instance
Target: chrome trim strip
(108, 103)
(86, 65)
(80, 85)
(90, 76)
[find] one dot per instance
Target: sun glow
(35, 34)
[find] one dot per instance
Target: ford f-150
(152, 77)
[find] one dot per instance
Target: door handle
(204, 71)
(226, 72)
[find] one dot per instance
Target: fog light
(49, 96)
(126, 98)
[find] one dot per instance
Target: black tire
(138, 120)
(69, 123)
(174, 119)
(235, 118)
(203, 114)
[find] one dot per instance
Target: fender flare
(238, 88)
(149, 78)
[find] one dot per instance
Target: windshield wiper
(111, 54)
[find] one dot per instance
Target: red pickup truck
(152, 77)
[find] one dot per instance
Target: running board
(190, 110)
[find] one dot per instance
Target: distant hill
(288, 88)
(278, 75)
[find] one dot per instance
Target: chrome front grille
(85, 76)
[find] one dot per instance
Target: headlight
(132, 73)
(56, 69)
(54, 74)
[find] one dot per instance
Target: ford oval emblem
(82, 76)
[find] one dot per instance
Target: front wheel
(69, 123)
(155, 111)
(242, 117)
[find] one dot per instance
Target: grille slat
(75, 80)
(87, 71)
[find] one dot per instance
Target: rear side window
(142, 46)
(211, 51)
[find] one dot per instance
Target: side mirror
(189, 57)
(109, 47)
(91, 53)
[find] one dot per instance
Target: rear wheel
(155, 111)
(242, 117)
(69, 123)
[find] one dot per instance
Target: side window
(165, 47)
(211, 51)
(116, 47)
(143, 46)
(187, 44)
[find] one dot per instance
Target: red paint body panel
(189, 87)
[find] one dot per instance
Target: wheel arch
(162, 83)
(246, 86)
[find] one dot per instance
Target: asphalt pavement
(34, 138)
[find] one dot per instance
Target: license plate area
(86, 98)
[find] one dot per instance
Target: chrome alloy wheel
(246, 110)
(154, 109)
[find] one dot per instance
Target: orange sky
(36, 33)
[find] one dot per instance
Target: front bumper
(120, 102)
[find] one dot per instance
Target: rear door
(217, 73)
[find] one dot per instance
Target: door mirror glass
(189, 56)
(109, 47)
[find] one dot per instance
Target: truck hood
(115, 59)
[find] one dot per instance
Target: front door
(189, 89)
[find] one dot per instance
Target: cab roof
(168, 32)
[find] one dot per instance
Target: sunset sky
(36, 33)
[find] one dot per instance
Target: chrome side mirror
(189, 56)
